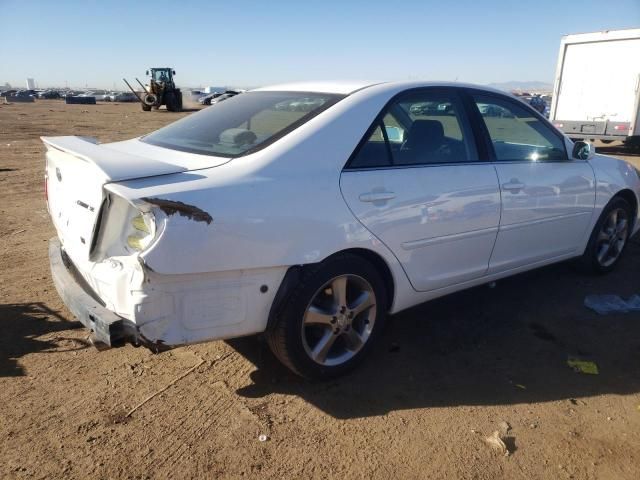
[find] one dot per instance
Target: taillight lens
(142, 231)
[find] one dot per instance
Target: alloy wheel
(612, 237)
(339, 320)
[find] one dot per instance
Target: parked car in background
(123, 97)
(305, 104)
(492, 110)
(102, 95)
(225, 96)
(298, 105)
(538, 103)
(49, 94)
(311, 226)
(70, 93)
(26, 93)
(99, 95)
(422, 108)
(214, 98)
(430, 108)
(205, 99)
(109, 96)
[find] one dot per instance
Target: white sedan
(311, 226)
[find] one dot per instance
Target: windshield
(161, 75)
(242, 124)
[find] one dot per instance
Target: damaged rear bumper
(108, 328)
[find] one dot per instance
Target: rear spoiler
(114, 165)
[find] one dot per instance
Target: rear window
(242, 124)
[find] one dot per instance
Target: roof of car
(348, 87)
(343, 88)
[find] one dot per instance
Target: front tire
(609, 237)
(331, 319)
(172, 102)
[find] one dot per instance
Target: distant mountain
(516, 85)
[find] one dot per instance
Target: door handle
(513, 186)
(377, 196)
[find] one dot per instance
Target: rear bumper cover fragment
(108, 328)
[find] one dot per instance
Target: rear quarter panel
(280, 206)
(612, 176)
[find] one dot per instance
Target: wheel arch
(628, 195)
(295, 273)
(380, 265)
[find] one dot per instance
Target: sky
(253, 43)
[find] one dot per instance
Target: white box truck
(596, 93)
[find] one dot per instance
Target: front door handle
(513, 186)
(377, 196)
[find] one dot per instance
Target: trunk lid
(78, 167)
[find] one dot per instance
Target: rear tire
(331, 318)
(609, 238)
(632, 143)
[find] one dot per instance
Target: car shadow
(484, 346)
(22, 325)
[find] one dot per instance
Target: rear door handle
(377, 196)
(513, 186)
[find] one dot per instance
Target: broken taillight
(144, 230)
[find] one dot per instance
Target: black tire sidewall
(294, 311)
(171, 101)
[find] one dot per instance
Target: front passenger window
(516, 133)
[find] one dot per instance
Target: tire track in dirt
(212, 411)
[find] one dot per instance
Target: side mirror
(394, 134)
(174, 72)
(147, 73)
(583, 150)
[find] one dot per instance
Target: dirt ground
(447, 374)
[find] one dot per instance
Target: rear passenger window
(373, 153)
(444, 112)
(420, 128)
(517, 134)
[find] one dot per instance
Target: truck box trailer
(596, 93)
